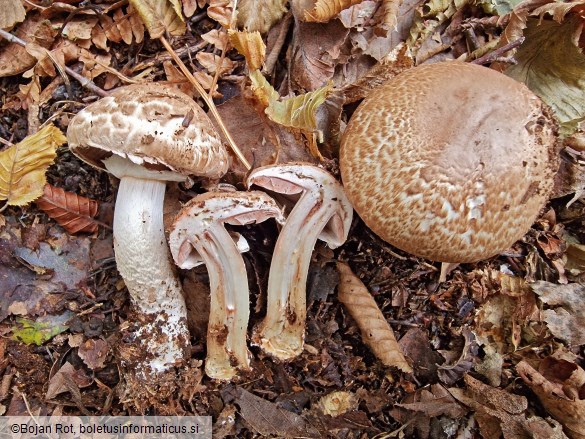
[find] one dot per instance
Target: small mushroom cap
(150, 124)
(199, 214)
(450, 161)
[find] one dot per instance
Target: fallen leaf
(23, 166)
(451, 373)
(40, 331)
(418, 411)
(498, 412)
(566, 320)
(416, 346)
(561, 397)
(260, 15)
(266, 418)
(325, 10)
(251, 45)
(94, 353)
(553, 67)
(160, 16)
(375, 330)
(57, 384)
(12, 12)
(74, 213)
(337, 403)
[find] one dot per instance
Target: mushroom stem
(229, 311)
(282, 332)
(322, 212)
(143, 260)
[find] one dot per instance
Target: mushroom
(147, 135)
(322, 212)
(198, 236)
(450, 161)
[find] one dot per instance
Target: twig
(83, 81)
(494, 55)
(208, 101)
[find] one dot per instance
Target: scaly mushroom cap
(152, 125)
(450, 161)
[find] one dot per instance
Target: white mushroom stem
(143, 260)
(322, 212)
(198, 235)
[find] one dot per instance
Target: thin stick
(208, 101)
(494, 55)
(83, 81)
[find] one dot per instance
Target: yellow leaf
(299, 111)
(262, 88)
(160, 16)
(23, 166)
(250, 45)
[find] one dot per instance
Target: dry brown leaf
(251, 45)
(267, 418)
(94, 353)
(211, 63)
(23, 166)
(80, 28)
(262, 142)
(14, 58)
(74, 213)
(218, 37)
(160, 16)
(390, 8)
(325, 10)
(57, 384)
(220, 11)
(375, 330)
(560, 395)
(501, 413)
(396, 62)
(566, 319)
(338, 403)
(315, 49)
(260, 15)
(189, 7)
(418, 410)
(12, 12)
(451, 373)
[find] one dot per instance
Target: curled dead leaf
(325, 10)
(376, 332)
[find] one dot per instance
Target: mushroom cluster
(450, 161)
(148, 135)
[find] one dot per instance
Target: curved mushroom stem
(230, 311)
(143, 260)
(282, 332)
(322, 212)
(198, 235)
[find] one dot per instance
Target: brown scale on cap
(150, 124)
(451, 161)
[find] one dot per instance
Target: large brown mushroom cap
(450, 161)
(150, 124)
